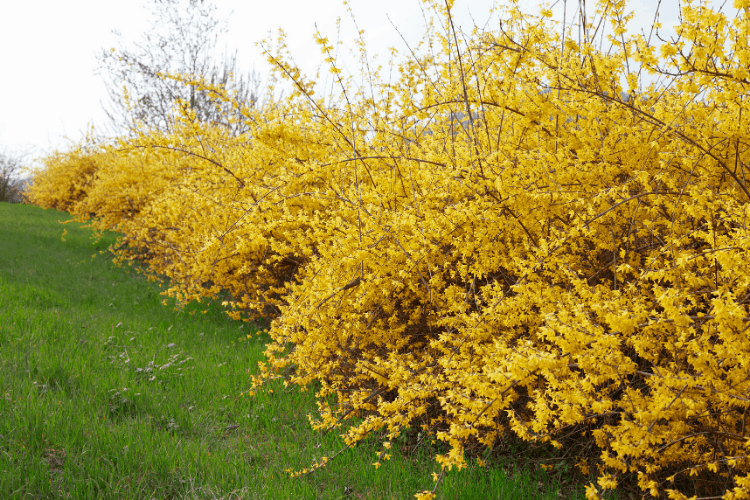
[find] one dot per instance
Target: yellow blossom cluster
(512, 231)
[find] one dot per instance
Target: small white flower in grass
(171, 345)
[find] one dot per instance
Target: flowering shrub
(519, 235)
(65, 176)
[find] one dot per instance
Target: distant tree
(183, 39)
(11, 186)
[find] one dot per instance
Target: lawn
(106, 393)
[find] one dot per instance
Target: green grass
(107, 393)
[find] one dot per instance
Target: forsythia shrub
(65, 176)
(517, 235)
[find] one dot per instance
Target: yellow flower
(425, 495)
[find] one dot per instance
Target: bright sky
(50, 90)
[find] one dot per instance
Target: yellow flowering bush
(65, 177)
(514, 233)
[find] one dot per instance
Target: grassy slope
(106, 393)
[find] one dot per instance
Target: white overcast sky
(49, 88)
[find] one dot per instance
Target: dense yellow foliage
(508, 232)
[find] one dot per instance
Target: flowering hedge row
(514, 234)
